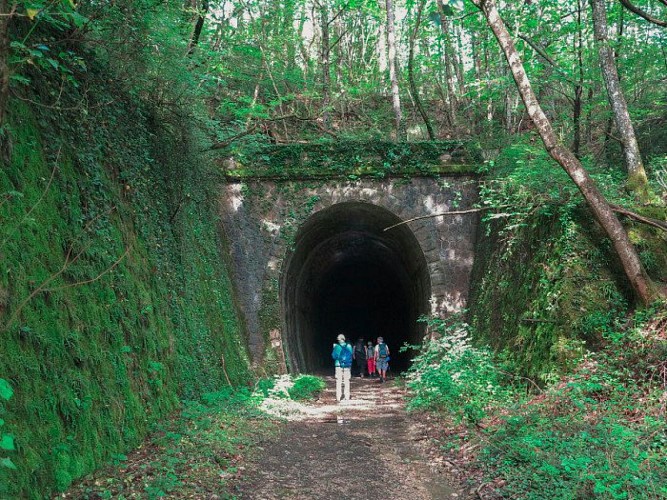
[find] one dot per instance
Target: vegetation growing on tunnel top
(351, 160)
(596, 432)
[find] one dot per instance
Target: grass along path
(228, 447)
(195, 454)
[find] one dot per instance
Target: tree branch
(639, 218)
(46, 190)
(633, 8)
(453, 212)
(85, 282)
(229, 140)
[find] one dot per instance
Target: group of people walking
(374, 360)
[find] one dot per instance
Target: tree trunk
(393, 70)
(637, 182)
(578, 87)
(325, 53)
(449, 64)
(639, 281)
(7, 9)
(411, 75)
(199, 25)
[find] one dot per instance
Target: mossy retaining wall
(546, 290)
(114, 297)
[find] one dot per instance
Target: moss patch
(349, 160)
(543, 294)
(114, 299)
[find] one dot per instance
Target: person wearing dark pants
(360, 357)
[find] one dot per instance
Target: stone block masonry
(311, 257)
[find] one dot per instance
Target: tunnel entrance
(345, 275)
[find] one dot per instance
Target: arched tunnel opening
(346, 275)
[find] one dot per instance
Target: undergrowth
(195, 454)
(306, 387)
(598, 432)
(297, 388)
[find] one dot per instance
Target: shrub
(451, 374)
(597, 432)
(265, 385)
(306, 387)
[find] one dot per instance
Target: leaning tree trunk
(637, 182)
(641, 284)
(393, 70)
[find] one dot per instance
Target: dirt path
(366, 448)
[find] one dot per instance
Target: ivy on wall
(114, 299)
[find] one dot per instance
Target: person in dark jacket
(360, 356)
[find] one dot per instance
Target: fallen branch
(224, 369)
(85, 282)
(453, 212)
(46, 190)
(229, 140)
(640, 218)
(68, 262)
(539, 389)
(478, 491)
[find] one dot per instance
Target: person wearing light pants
(342, 355)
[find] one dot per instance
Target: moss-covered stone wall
(114, 297)
(547, 289)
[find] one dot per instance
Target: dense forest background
(301, 70)
(115, 117)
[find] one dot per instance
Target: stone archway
(345, 274)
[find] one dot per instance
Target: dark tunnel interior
(345, 275)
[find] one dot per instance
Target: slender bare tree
(411, 72)
(7, 10)
(393, 69)
(200, 17)
(325, 61)
(637, 182)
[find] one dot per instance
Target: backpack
(345, 356)
(382, 351)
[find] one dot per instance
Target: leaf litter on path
(365, 448)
